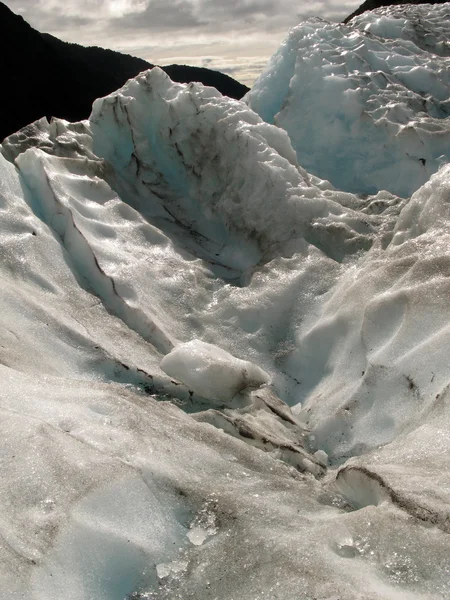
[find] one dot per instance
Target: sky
(233, 36)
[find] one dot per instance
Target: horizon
(236, 39)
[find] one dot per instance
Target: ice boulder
(211, 371)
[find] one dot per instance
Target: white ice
(212, 372)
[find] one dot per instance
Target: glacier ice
(212, 372)
(222, 376)
(366, 104)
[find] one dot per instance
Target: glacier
(224, 331)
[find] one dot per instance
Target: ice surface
(366, 105)
(222, 377)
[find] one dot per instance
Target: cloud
(236, 36)
(164, 15)
(160, 15)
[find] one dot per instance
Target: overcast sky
(233, 36)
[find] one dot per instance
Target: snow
(222, 376)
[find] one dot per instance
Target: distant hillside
(41, 75)
(372, 4)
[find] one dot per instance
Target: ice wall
(366, 104)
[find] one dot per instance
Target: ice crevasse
(224, 356)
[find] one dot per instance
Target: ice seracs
(366, 104)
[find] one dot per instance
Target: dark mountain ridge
(373, 4)
(43, 76)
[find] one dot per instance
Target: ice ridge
(366, 104)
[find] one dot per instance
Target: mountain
(45, 76)
(374, 4)
(222, 376)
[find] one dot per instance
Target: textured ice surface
(176, 229)
(366, 105)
